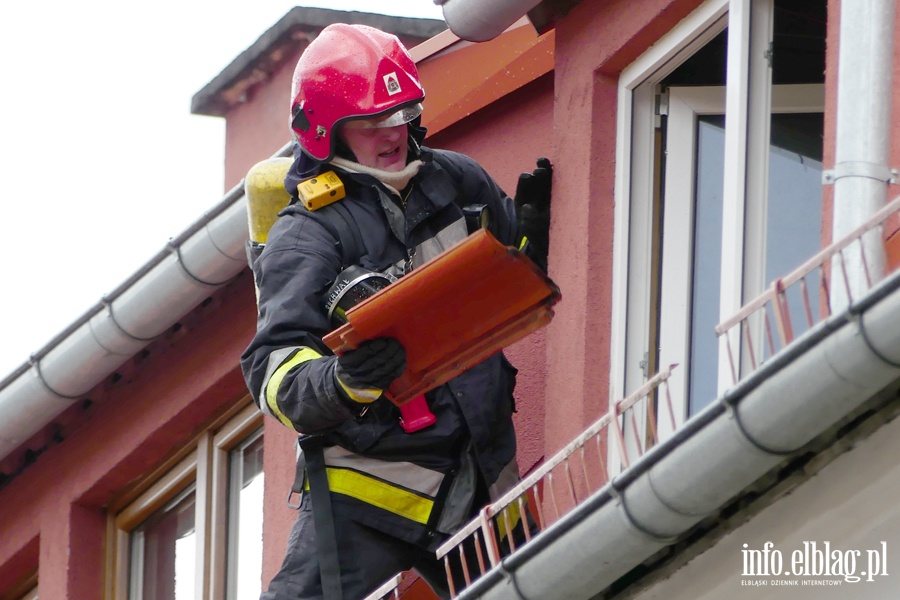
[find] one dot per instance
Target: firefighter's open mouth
(390, 153)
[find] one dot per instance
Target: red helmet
(351, 72)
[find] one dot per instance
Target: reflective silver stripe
(396, 218)
(361, 395)
(277, 366)
(447, 237)
(506, 480)
(273, 362)
(402, 474)
(458, 504)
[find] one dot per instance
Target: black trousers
(368, 558)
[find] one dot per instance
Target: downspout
(802, 392)
(861, 172)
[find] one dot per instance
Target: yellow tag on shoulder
(321, 190)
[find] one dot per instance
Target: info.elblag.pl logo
(814, 563)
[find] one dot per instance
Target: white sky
(101, 161)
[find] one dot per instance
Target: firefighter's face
(378, 147)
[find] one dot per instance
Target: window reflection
(163, 552)
(707, 261)
(794, 216)
(245, 501)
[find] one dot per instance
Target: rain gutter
(813, 384)
(480, 21)
(206, 256)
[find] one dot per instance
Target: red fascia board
(462, 77)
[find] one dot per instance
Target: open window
(718, 188)
(784, 229)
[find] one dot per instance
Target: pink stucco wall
(594, 42)
(507, 138)
(54, 511)
(258, 128)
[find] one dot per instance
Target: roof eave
(276, 45)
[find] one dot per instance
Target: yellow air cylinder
(266, 196)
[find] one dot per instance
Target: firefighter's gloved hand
(364, 373)
(533, 211)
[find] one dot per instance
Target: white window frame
(226, 499)
(746, 167)
(685, 105)
(633, 185)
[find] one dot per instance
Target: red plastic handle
(415, 415)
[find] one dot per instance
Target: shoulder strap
(323, 518)
(455, 174)
(346, 231)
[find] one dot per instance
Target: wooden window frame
(203, 462)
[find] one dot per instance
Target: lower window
(194, 529)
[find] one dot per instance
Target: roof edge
(263, 54)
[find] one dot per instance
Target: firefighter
(377, 500)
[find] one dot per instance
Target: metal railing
(558, 485)
(751, 338)
(631, 426)
(389, 589)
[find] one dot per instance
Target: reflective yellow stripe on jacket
(381, 494)
(280, 363)
(402, 488)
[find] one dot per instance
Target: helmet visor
(398, 117)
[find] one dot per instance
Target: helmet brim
(394, 118)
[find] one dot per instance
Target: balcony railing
(388, 590)
(557, 486)
(791, 306)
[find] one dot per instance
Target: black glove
(533, 211)
(364, 373)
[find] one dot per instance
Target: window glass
(163, 552)
(779, 215)
(798, 41)
(194, 528)
(245, 503)
(707, 260)
(794, 216)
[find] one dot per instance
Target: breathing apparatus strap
(346, 231)
(323, 518)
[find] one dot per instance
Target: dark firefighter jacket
(407, 485)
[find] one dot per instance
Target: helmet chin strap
(394, 180)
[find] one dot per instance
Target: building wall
(594, 42)
(54, 517)
(849, 503)
(507, 138)
(257, 128)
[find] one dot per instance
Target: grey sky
(100, 158)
